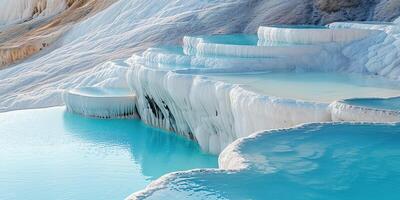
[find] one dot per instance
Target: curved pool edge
(233, 160)
(344, 111)
(198, 46)
(101, 102)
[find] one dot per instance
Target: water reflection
(50, 154)
(158, 152)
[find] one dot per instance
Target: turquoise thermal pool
(52, 154)
(231, 39)
(376, 103)
(314, 161)
(311, 86)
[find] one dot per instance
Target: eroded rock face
(22, 40)
(335, 5)
(387, 10)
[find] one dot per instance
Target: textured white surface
(131, 26)
(17, 11)
(342, 111)
(311, 35)
(160, 58)
(378, 54)
(199, 47)
(213, 113)
(100, 102)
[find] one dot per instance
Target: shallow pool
(51, 154)
(242, 40)
(315, 161)
(377, 103)
(232, 39)
(312, 86)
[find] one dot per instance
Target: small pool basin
(100, 102)
(312, 86)
(376, 103)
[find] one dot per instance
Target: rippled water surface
(50, 154)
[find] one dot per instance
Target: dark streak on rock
(137, 112)
(155, 109)
(171, 118)
(191, 136)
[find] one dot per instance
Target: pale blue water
(50, 154)
(378, 103)
(312, 86)
(233, 39)
(318, 161)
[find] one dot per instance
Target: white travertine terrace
(213, 113)
(311, 35)
(345, 111)
(131, 26)
(200, 47)
(100, 102)
(171, 96)
(255, 51)
(362, 25)
(159, 58)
